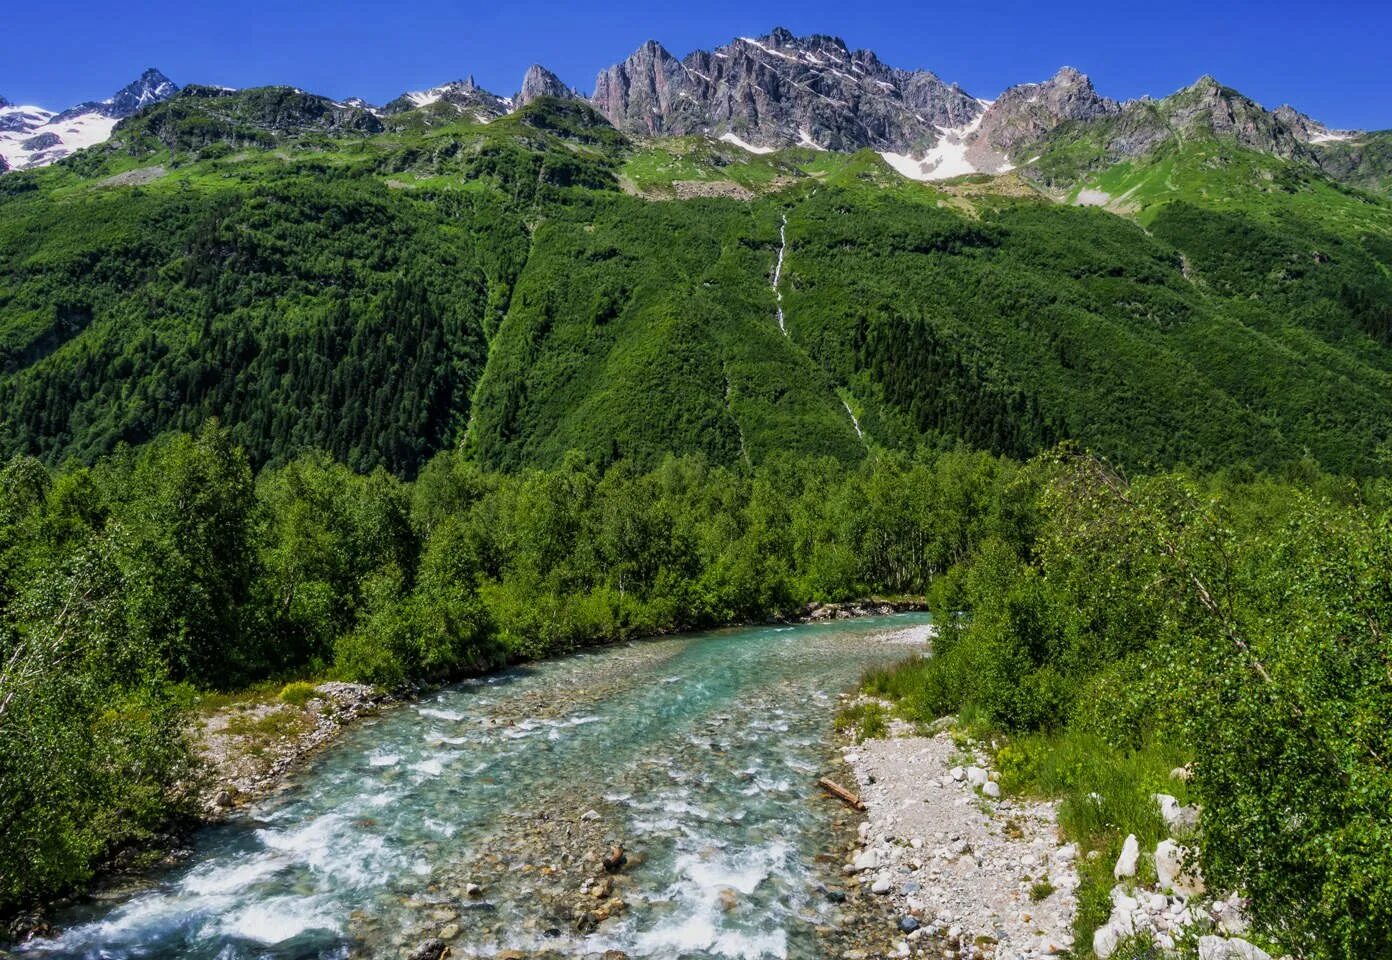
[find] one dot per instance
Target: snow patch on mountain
(34, 137)
(729, 137)
(947, 158)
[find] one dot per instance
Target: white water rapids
(700, 751)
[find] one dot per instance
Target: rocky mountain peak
(782, 90)
(34, 137)
(4, 103)
(149, 88)
(1307, 129)
(1026, 113)
(540, 82)
(1207, 87)
(465, 96)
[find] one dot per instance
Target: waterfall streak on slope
(854, 422)
(778, 271)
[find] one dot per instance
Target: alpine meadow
(451, 405)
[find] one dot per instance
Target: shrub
(298, 693)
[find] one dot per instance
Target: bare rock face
(1303, 127)
(780, 90)
(540, 82)
(1210, 106)
(1025, 114)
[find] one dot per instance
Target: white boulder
(1130, 855)
(1170, 870)
(1217, 948)
(1107, 937)
(977, 777)
(1176, 815)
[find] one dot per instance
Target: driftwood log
(841, 793)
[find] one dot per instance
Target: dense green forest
(1236, 622)
(128, 586)
(521, 288)
(402, 402)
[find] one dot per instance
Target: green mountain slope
(383, 287)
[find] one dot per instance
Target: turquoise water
(700, 752)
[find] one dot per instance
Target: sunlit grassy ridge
(542, 282)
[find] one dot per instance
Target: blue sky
(1330, 59)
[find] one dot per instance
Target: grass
(867, 720)
(270, 728)
(298, 693)
(1104, 793)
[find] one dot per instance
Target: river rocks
(816, 612)
(615, 859)
(431, 949)
(1130, 855)
(991, 789)
(866, 860)
(246, 766)
(956, 871)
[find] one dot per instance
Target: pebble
(951, 860)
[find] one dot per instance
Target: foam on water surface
(701, 751)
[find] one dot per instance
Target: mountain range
(33, 137)
(780, 91)
(778, 247)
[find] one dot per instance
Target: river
(482, 813)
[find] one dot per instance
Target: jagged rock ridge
(780, 90)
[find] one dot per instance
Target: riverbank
(966, 872)
(987, 852)
(249, 746)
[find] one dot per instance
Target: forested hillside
(534, 285)
(296, 388)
